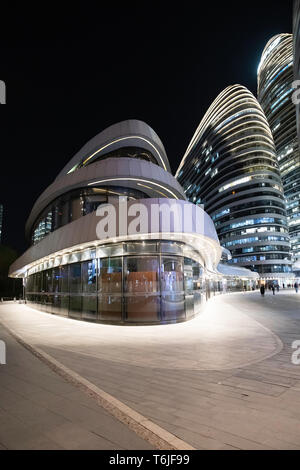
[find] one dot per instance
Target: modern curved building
(275, 80)
(296, 40)
(113, 238)
(230, 167)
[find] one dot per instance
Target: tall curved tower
(231, 168)
(296, 40)
(113, 238)
(275, 79)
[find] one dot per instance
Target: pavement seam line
(146, 429)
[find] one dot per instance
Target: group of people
(274, 287)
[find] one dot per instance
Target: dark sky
(70, 74)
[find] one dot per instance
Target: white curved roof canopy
(130, 133)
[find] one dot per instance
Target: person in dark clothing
(273, 289)
(262, 290)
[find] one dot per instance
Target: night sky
(70, 74)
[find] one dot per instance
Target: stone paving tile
(185, 406)
(218, 439)
(39, 410)
(32, 414)
(73, 437)
(254, 386)
(276, 444)
(14, 434)
(268, 378)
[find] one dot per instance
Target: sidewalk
(222, 381)
(39, 410)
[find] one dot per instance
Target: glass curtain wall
(110, 289)
(152, 282)
(76, 204)
(142, 289)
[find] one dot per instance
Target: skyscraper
(296, 36)
(1, 221)
(231, 167)
(275, 79)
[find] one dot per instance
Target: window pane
(172, 275)
(141, 274)
(142, 308)
(56, 279)
(110, 275)
(56, 304)
(142, 300)
(173, 307)
(112, 250)
(171, 247)
(30, 284)
(76, 208)
(64, 305)
(110, 288)
(47, 278)
(38, 282)
(189, 287)
(64, 213)
(89, 276)
(110, 307)
(48, 301)
(89, 307)
(75, 277)
(140, 247)
(93, 201)
(64, 279)
(75, 307)
(188, 275)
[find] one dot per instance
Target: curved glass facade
(77, 203)
(129, 283)
(275, 79)
(137, 282)
(231, 168)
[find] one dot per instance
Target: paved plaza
(224, 380)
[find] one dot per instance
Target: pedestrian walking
(296, 287)
(262, 290)
(273, 289)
